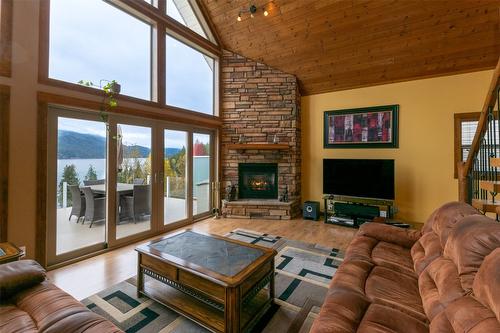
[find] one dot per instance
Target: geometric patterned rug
(303, 270)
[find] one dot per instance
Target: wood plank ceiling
(338, 44)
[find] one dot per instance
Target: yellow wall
(424, 159)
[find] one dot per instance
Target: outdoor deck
(72, 235)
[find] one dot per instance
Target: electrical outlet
(383, 213)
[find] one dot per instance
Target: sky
(92, 40)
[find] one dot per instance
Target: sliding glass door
(77, 164)
(134, 182)
(202, 173)
(114, 183)
(175, 176)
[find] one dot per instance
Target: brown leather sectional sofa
(29, 303)
(445, 278)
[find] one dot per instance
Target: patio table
(121, 188)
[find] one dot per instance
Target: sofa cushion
(53, 310)
(341, 312)
(390, 234)
(380, 285)
(352, 275)
(467, 314)
(346, 311)
(14, 320)
(426, 250)
(18, 275)
(469, 243)
(444, 218)
(382, 319)
(486, 284)
(396, 290)
(380, 253)
(393, 256)
(439, 285)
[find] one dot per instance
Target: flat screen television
(362, 178)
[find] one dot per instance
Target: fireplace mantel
(258, 146)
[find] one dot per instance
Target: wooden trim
(258, 146)
(206, 17)
(6, 37)
(41, 186)
(167, 113)
(4, 157)
(43, 44)
(161, 73)
(173, 26)
(457, 143)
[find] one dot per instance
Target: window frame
(6, 37)
(4, 157)
(162, 24)
(459, 118)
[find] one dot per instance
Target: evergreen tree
(91, 173)
(71, 177)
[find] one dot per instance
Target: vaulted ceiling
(338, 44)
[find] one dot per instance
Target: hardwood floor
(92, 275)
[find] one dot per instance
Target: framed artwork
(372, 127)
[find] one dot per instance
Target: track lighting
(252, 9)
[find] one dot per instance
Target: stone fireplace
(258, 181)
(261, 127)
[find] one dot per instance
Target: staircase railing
(479, 175)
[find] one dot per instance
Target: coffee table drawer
(162, 268)
(212, 289)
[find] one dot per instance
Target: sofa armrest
(390, 234)
(18, 275)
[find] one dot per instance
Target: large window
(190, 78)
(93, 40)
(100, 41)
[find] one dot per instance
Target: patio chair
(94, 182)
(137, 205)
(138, 181)
(78, 207)
(95, 207)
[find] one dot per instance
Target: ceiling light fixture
(253, 9)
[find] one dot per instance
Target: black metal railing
(489, 147)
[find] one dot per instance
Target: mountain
(169, 152)
(73, 145)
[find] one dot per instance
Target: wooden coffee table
(222, 284)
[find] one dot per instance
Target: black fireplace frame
(256, 167)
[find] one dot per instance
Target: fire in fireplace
(258, 180)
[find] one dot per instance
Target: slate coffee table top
(222, 258)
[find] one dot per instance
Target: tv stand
(353, 212)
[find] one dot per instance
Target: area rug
(303, 270)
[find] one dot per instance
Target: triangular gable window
(183, 12)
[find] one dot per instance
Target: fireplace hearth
(258, 180)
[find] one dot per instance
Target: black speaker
(311, 210)
(355, 210)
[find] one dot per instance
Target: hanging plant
(109, 102)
